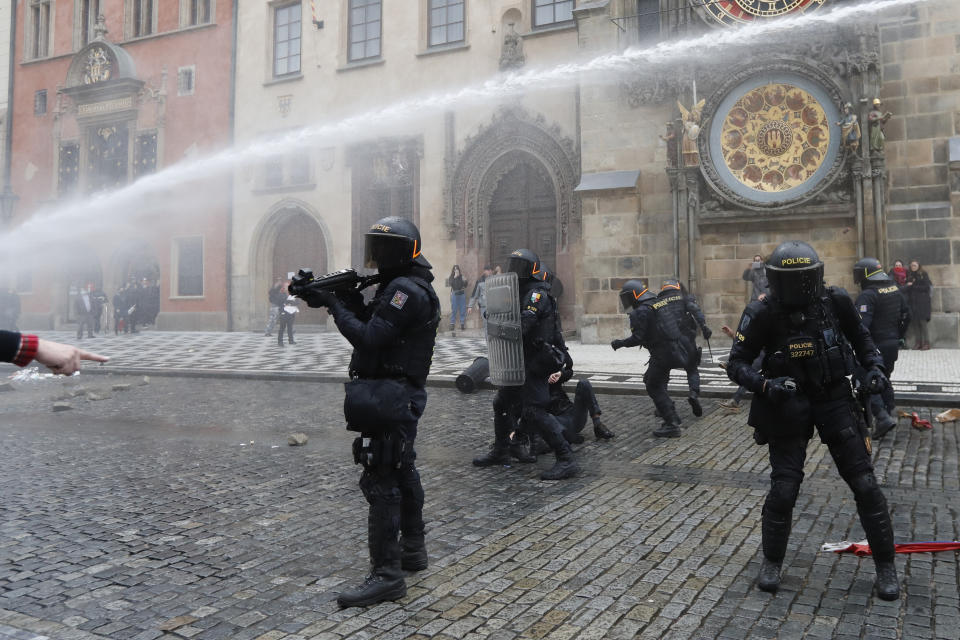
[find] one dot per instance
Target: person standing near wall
(458, 298)
(918, 290)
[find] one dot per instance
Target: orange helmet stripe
(636, 296)
(416, 249)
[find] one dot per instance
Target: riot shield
(504, 335)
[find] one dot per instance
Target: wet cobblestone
(177, 510)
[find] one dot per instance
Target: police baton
(707, 340)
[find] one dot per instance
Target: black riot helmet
(869, 270)
(670, 284)
(634, 293)
(526, 264)
(795, 274)
(393, 243)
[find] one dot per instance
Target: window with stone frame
(286, 39)
(188, 266)
(89, 10)
(142, 18)
(648, 20)
(551, 12)
(186, 80)
(298, 167)
(200, 12)
(39, 30)
(364, 30)
(40, 103)
(446, 22)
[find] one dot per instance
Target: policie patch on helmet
(399, 299)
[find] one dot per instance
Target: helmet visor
(387, 251)
(796, 287)
(520, 266)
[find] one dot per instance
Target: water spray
(54, 230)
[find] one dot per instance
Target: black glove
(616, 344)
(351, 298)
(875, 381)
(706, 332)
(317, 299)
(779, 390)
(902, 343)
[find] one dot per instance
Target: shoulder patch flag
(863, 308)
(399, 299)
(535, 297)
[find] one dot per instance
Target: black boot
(769, 577)
(670, 428)
(413, 553)
(883, 422)
(775, 532)
(565, 466)
(499, 454)
(694, 400)
(600, 431)
(879, 532)
(537, 446)
(385, 581)
(888, 584)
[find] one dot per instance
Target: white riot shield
(504, 334)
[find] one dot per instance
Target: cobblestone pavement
(175, 509)
(923, 375)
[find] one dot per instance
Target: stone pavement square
(176, 509)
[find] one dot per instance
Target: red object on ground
(917, 423)
(863, 550)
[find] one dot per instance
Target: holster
(384, 451)
(371, 405)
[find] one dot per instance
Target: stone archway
(290, 237)
(512, 140)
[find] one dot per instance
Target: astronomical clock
(739, 11)
(772, 139)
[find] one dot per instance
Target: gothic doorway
(299, 244)
(523, 214)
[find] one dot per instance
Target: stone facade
(445, 170)
(102, 103)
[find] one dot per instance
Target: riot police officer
(393, 338)
(886, 314)
(690, 318)
(813, 339)
(541, 358)
(639, 302)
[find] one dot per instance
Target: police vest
(886, 301)
(410, 355)
(809, 346)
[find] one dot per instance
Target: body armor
(886, 308)
(410, 356)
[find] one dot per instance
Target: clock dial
(739, 11)
(775, 137)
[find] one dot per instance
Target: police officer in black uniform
(541, 358)
(639, 302)
(691, 319)
(813, 338)
(886, 314)
(572, 416)
(393, 337)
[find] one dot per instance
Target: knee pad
(867, 492)
(782, 496)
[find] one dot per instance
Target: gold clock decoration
(775, 137)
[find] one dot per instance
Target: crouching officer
(393, 337)
(639, 302)
(810, 335)
(886, 314)
(541, 358)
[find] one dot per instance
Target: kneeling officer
(810, 335)
(393, 337)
